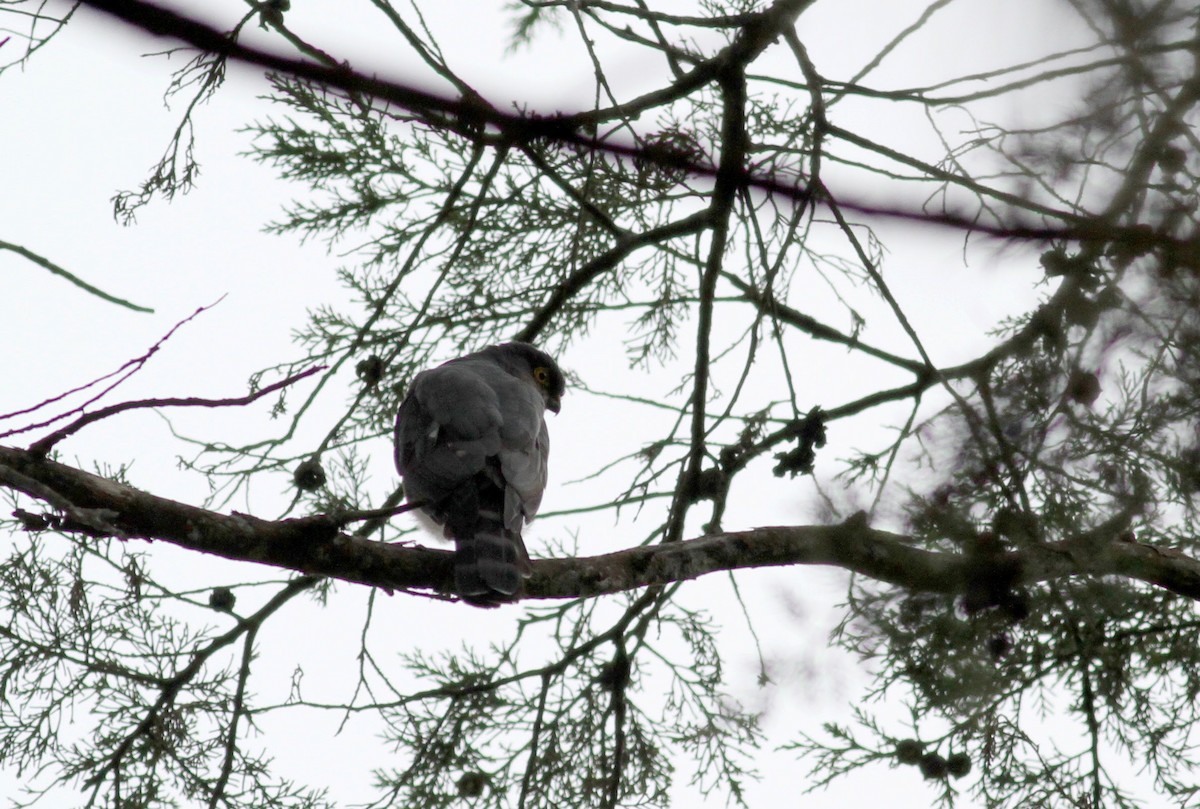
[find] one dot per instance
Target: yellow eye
(541, 375)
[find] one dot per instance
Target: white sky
(85, 119)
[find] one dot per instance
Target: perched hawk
(471, 445)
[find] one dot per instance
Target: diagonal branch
(49, 265)
(464, 116)
(605, 262)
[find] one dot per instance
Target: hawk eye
(541, 375)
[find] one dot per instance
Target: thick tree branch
(315, 545)
(464, 115)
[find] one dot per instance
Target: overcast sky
(85, 118)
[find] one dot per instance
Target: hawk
(472, 446)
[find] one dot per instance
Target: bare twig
(47, 264)
(127, 369)
(43, 445)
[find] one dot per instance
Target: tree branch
(314, 545)
(47, 264)
(464, 115)
(44, 445)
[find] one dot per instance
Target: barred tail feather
(490, 567)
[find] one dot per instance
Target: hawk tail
(490, 565)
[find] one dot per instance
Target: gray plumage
(472, 447)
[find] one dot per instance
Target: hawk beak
(553, 404)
